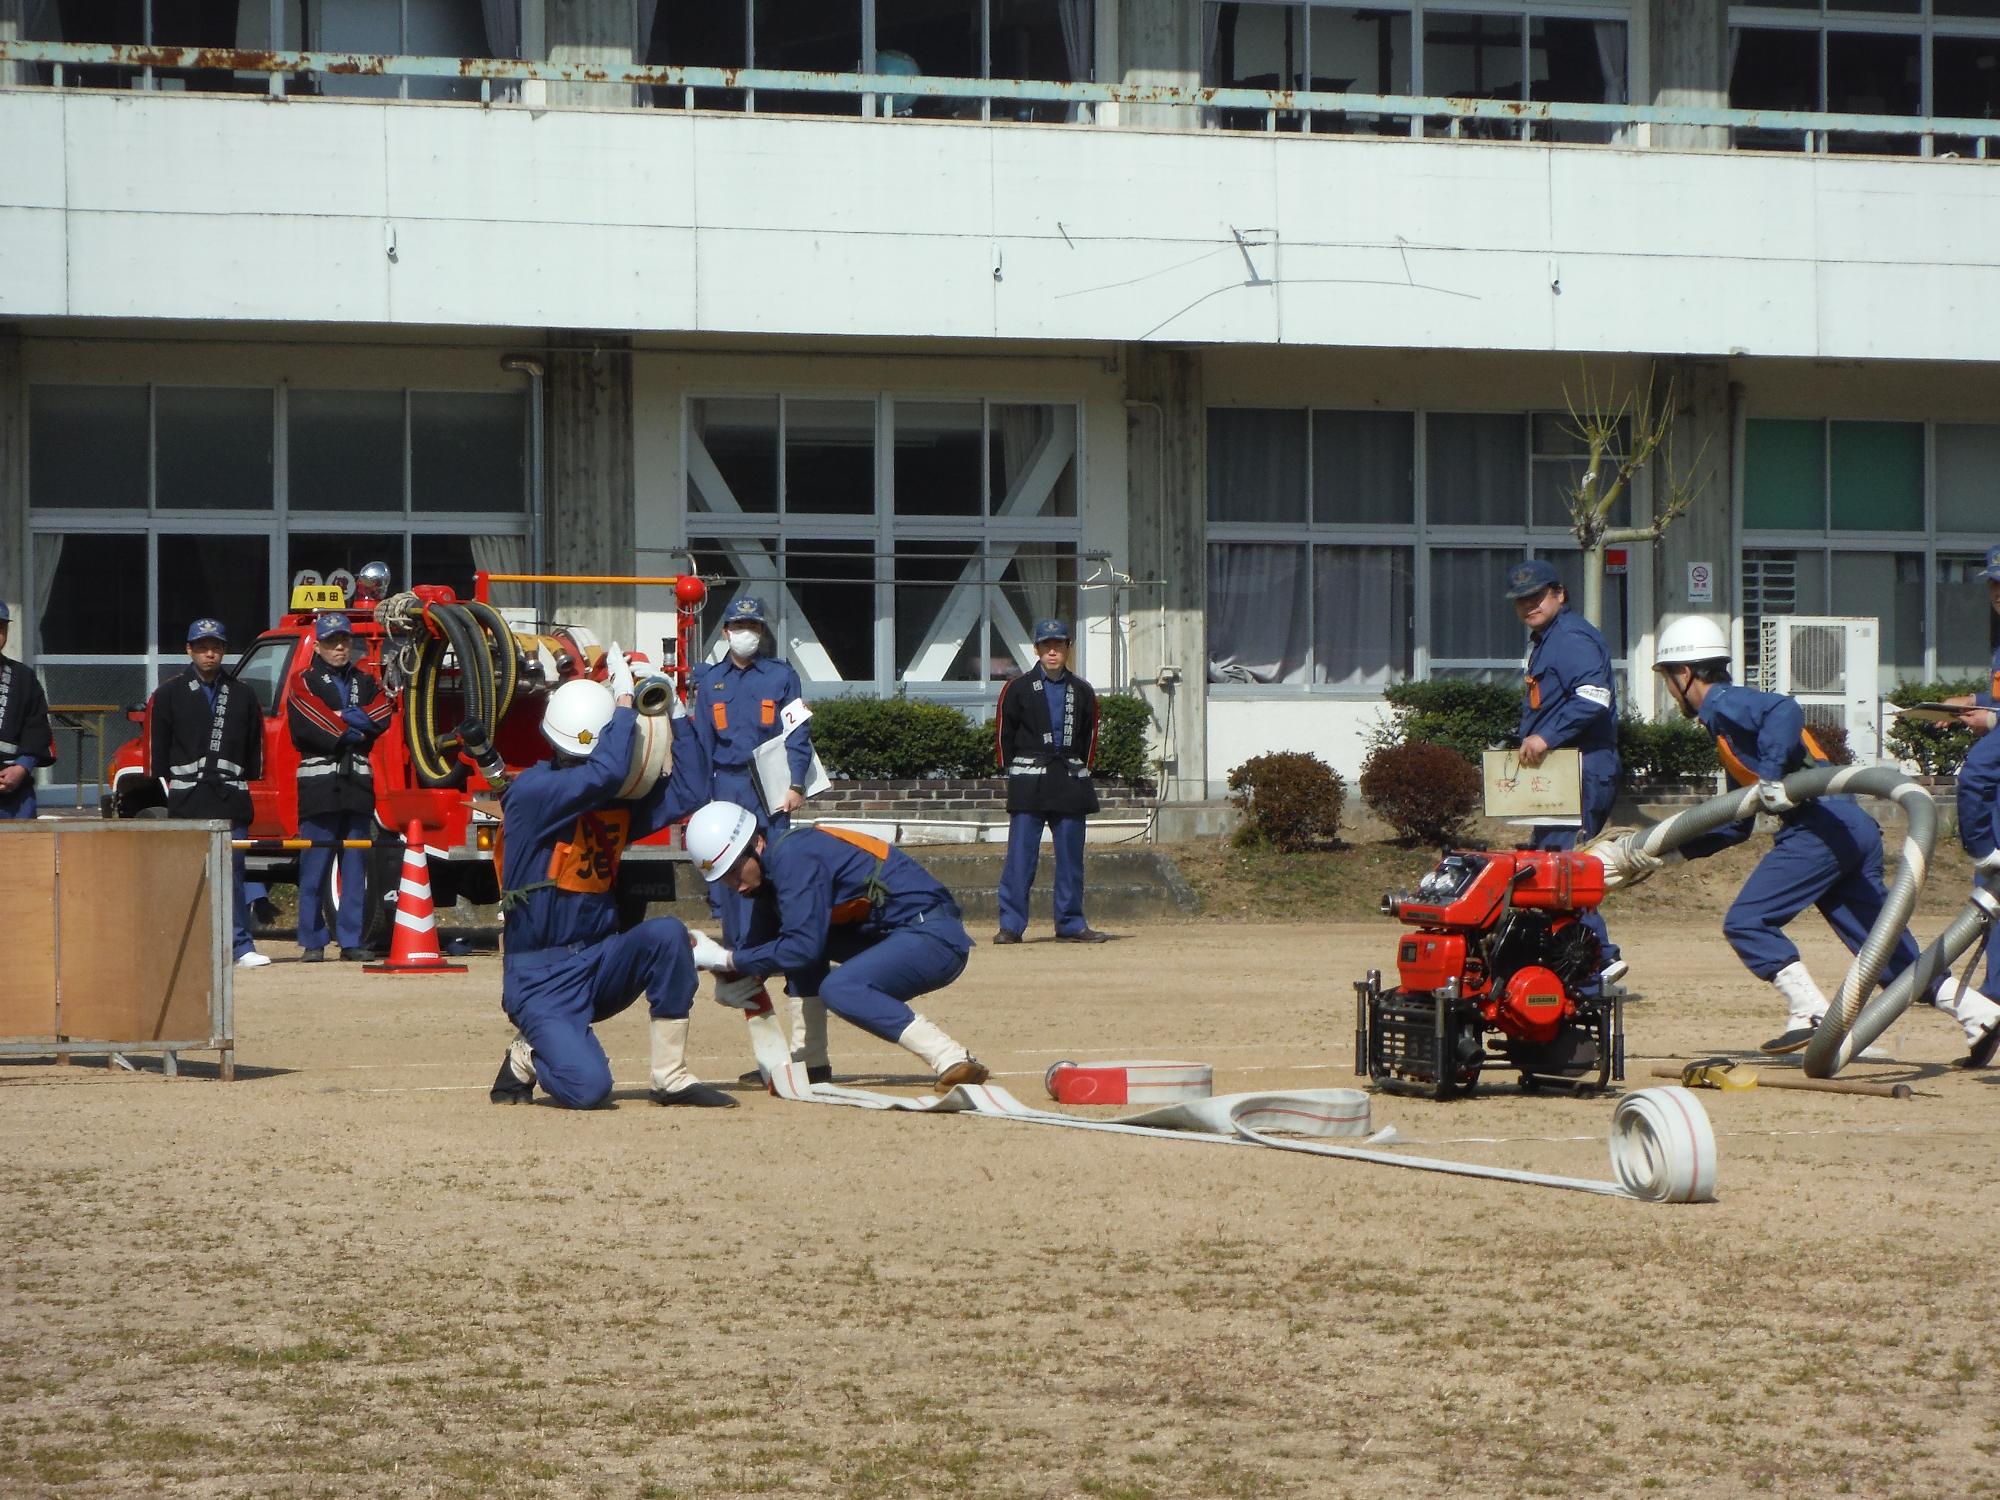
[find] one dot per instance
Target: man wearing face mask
(336, 712)
(738, 703)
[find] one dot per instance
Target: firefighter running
(844, 917)
(1828, 852)
(567, 966)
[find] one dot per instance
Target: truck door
(266, 667)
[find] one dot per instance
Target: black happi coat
(1040, 777)
(24, 716)
(207, 757)
(334, 776)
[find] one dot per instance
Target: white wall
(358, 211)
(1334, 729)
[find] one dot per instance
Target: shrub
(898, 739)
(1832, 738)
(1464, 717)
(1935, 749)
(1291, 798)
(1423, 791)
(1664, 747)
(1122, 722)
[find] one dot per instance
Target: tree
(1621, 435)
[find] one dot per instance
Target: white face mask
(744, 643)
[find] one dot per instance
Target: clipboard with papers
(774, 766)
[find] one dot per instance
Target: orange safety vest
(1742, 775)
(857, 909)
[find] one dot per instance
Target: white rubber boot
(672, 1082)
(951, 1063)
(1965, 1005)
(809, 1031)
(515, 1083)
(1804, 1006)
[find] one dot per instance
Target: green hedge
(1937, 749)
(906, 739)
(1468, 717)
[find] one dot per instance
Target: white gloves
(1626, 864)
(744, 992)
(680, 709)
(709, 954)
(618, 673)
(1771, 797)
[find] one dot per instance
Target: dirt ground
(347, 1274)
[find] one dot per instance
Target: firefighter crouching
(566, 964)
(336, 712)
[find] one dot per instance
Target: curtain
(503, 27)
(48, 555)
(1257, 613)
(1611, 59)
(1477, 470)
(1076, 19)
(1361, 615)
(648, 11)
(504, 554)
(1471, 616)
(1256, 465)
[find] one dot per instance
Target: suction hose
(1829, 1049)
(489, 674)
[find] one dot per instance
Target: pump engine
(1496, 971)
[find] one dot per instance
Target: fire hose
(483, 649)
(1852, 1022)
(1662, 1147)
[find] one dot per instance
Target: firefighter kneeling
(567, 965)
(819, 897)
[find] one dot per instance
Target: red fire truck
(442, 659)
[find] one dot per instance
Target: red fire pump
(1497, 948)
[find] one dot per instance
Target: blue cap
(1531, 577)
(1050, 630)
(6, 614)
(330, 625)
(1992, 568)
(745, 611)
(206, 629)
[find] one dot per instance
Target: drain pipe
(523, 364)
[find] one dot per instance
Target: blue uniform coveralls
(567, 965)
(1571, 699)
(736, 706)
(336, 792)
(1979, 814)
(1828, 853)
(25, 740)
(855, 902)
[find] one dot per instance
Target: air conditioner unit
(1829, 664)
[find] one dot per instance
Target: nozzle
(478, 747)
(654, 696)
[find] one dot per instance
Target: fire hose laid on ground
(1853, 1021)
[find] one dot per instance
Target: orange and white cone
(413, 945)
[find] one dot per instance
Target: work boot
(1804, 1008)
(809, 1037)
(1083, 935)
(1003, 936)
(355, 955)
(251, 960)
(515, 1083)
(673, 1084)
(951, 1063)
(1978, 1016)
(312, 955)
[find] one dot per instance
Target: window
(1835, 512)
(1029, 39)
(1895, 58)
(953, 522)
(1505, 51)
(1325, 571)
(151, 505)
(262, 667)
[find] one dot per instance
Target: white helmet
(576, 714)
(718, 835)
(1690, 639)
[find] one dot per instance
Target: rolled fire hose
(1128, 1082)
(489, 674)
(1826, 1054)
(1879, 1014)
(1662, 1148)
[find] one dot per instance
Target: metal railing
(1423, 114)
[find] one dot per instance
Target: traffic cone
(413, 946)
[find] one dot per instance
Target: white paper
(774, 767)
